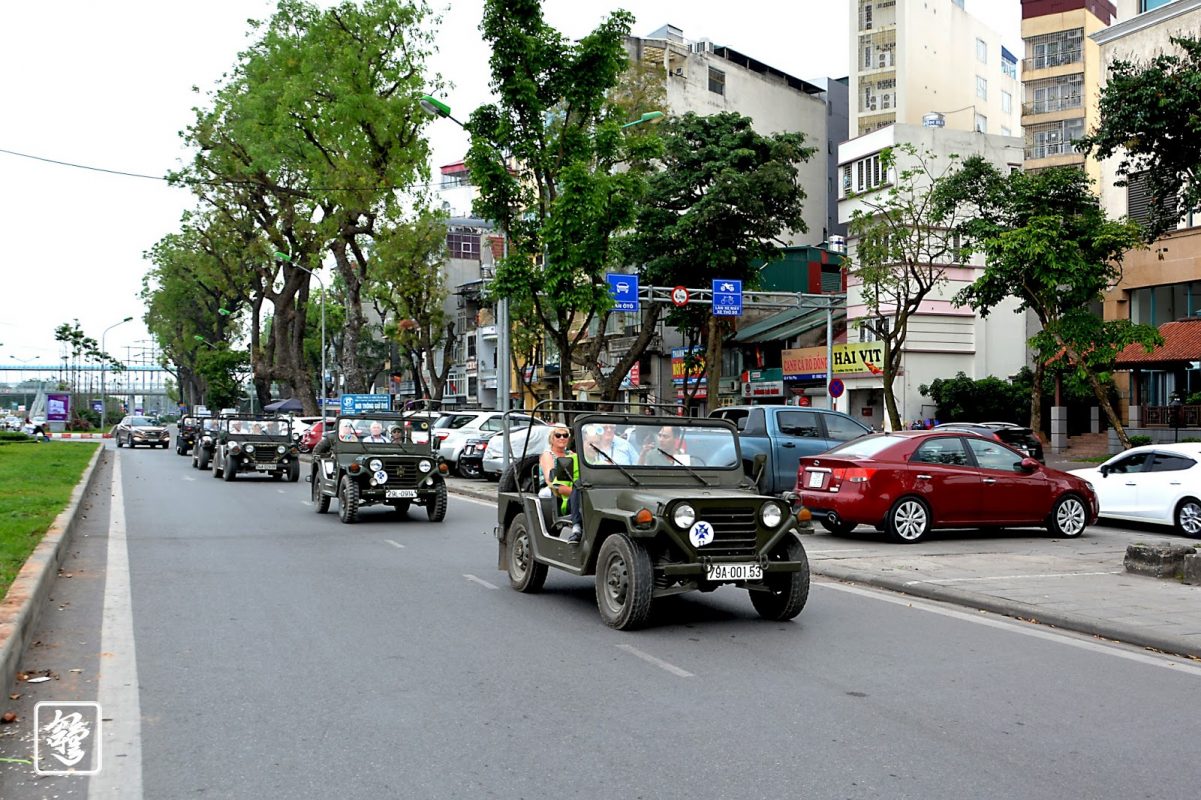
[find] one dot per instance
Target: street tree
(1047, 241)
(903, 241)
(719, 206)
(543, 157)
(1149, 121)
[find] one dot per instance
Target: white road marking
(825, 552)
(1025, 629)
(117, 689)
(1013, 577)
(476, 500)
(658, 662)
(394, 544)
(281, 491)
(188, 478)
(480, 581)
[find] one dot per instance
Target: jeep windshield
(256, 427)
(659, 446)
(382, 430)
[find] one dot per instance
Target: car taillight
(442, 435)
(852, 474)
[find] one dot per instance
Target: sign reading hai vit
(624, 290)
(727, 298)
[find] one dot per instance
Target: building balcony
(1051, 61)
(1051, 107)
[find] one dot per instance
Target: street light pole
(104, 372)
(286, 257)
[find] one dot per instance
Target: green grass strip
(37, 481)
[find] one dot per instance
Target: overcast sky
(109, 86)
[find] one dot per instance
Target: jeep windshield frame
(415, 437)
(249, 426)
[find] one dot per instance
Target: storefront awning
(1181, 344)
(785, 325)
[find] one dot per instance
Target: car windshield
(455, 420)
(865, 447)
(653, 444)
(381, 430)
(140, 422)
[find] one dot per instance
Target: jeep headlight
(771, 515)
(281, 449)
(425, 466)
(249, 448)
(234, 447)
(207, 440)
(683, 516)
(375, 465)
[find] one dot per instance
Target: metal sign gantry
(780, 300)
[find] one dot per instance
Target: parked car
(785, 434)
(301, 425)
(471, 457)
(309, 439)
(1159, 483)
(1021, 439)
(530, 440)
(398, 470)
(452, 430)
(12, 423)
(908, 482)
(689, 521)
(133, 431)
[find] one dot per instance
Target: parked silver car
(531, 440)
(454, 428)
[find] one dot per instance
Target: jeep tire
(293, 472)
(348, 500)
(625, 579)
(525, 574)
(229, 469)
(320, 499)
(435, 507)
(786, 591)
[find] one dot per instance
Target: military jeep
(378, 458)
(257, 445)
(206, 440)
(188, 431)
(666, 509)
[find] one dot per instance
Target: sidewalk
(1075, 584)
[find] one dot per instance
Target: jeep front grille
(734, 531)
(403, 475)
(265, 455)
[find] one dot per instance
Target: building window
(717, 81)
(1053, 138)
(1006, 103)
(981, 88)
(1054, 94)
(1140, 202)
(1009, 68)
(981, 123)
(981, 51)
(1147, 5)
(1055, 49)
(1006, 131)
(463, 245)
(863, 175)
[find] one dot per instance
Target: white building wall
(943, 338)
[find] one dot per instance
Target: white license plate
(734, 572)
(264, 467)
(399, 494)
(815, 480)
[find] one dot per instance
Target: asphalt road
(281, 654)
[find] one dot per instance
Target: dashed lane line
(658, 662)
(480, 581)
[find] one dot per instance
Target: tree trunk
(1036, 398)
(713, 362)
(1098, 392)
(612, 383)
(892, 363)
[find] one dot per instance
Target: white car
(454, 428)
(12, 423)
(528, 440)
(1158, 483)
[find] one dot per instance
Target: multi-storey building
(1061, 77)
(943, 338)
(917, 58)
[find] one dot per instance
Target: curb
(19, 610)
(1008, 608)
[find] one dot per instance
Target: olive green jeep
(257, 445)
(378, 457)
(665, 508)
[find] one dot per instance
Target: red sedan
(313, 435)
(909, 482)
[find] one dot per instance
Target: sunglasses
(562, 435)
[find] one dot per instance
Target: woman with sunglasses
(569, 500)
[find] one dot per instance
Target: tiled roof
(1181, 342)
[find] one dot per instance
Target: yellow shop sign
(859, 357)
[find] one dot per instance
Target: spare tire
(523, 468)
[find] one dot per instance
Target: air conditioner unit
(872, 105)
(883, 60)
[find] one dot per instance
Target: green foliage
(963, 399)
(1140, 441)
(1149, 120)
(1193, 399)
(38, 481)
(220, 368)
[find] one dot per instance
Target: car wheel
(1188, 517)
(525, 574)
(119, 445)
(624, 581)
(229, 469)
(1068, 517)
(435, 508)
(216, 469)
(348, 501)
(786, 592)
(908, 520)
(839, 528)
(320, 499)
(294, 472)
(471, 470)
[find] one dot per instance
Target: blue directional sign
(624, 289)
(360, 403)
(727, 298)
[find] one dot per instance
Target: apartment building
(919, 58)
(943, 338)
(1160, 285)
(1061, 79)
